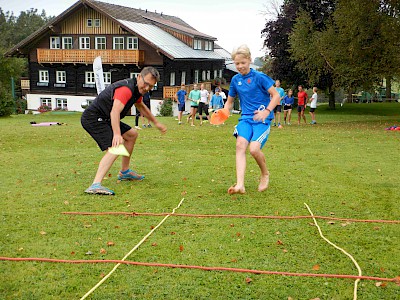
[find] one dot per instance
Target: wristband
(268, 110)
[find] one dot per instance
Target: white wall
(74, 103)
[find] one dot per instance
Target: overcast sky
(232, 22)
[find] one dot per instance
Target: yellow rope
(337, 247)
(130, 252)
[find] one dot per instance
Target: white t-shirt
(222, 95)
(204, 96)
(314, 100)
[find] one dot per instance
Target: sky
(233, 23)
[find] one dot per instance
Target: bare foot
(264, 182)
(235, 190)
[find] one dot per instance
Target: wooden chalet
(61, 53)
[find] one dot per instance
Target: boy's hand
(261, 115)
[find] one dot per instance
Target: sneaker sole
(100, 193)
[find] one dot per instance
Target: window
(89, 78)
(215, 74)
(89, 22)
(208, 75)
(55, 42)
(197, 44)
(107, 77)
(100, 42)
(97, 23)
(62, 103)
(196, 76)
(118, 43)
(134, 75)
(203, 76)
(183, 77)
(172, 78)
(61, 77)
(132, 43)
(45, 101)
(43, 76)
(208, 45)
(84, 42)
(67, 42)
(220, 73)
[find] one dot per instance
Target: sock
(125, 172)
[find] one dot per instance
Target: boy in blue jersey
(258, 98)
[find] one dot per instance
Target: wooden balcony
(170, 91)
(87, 56)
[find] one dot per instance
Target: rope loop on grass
(337, 247)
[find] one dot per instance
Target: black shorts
(287, 107)
(278, 108)
(300, 108)
(203, 106)
(312, 109)
(100, 129)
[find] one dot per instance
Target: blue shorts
(253, 131)
(181, 106)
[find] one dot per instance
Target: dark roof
(115, 12)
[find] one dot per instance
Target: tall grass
(345, 166)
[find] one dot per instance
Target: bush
(166, 108)
(21, 105)
(6, 102)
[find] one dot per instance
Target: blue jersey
(252, 90)
(288, 100)
(181, 96)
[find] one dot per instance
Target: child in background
(180, 98)
(216, 100)
(313, 105)
(288, 102)
(258, 98)
(301, 104)
(278, 108)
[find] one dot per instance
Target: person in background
(313, 105)
(180, 98)
(146, 101)
(102, 120)
(194, 97)
(288, 102)
(203, 104)
(217, 101)
(301, 104)
(258, 98)
(278, 108)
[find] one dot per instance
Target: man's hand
(161, 127)
(117, 139)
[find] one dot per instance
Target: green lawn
(345, 166)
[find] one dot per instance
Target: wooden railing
(170, 91)
(87, 56)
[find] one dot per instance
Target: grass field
(346, 166)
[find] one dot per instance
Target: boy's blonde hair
(241, 50)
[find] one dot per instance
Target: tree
(13, 30)
(276, 33)
(358, 46)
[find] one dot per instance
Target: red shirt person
(301, 104)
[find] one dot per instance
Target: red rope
(83, 261)
(133, 214)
